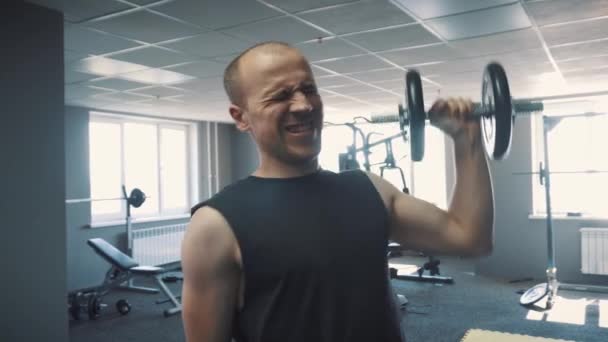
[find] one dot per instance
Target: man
(295, 253)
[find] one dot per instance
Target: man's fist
(454, 116)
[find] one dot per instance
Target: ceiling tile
(479, 23)
(452, 66)
(83, 40)
(319, 72)
(427, 54)
(588, 73)
(391, 84)
(587, 49)
(78, 10)
(283, 29)
(158, 91)
(206, 97)
(393, 38)
(379, 75)
(327, 49)
(201, 69)
(117, 84)
(299, 5)
(156, 76)
(145, 26)
(209, 44)
(461, 78)
(499, 43)
(354, 89)
(76, 76)
(216, 14)
(203, 85)
(559, 11)
(80, 91)
(143, 2)
(337, 101)
(380, 97)
(152, 57)
(334, 81)
(103, 66)
(523, 57)
(440, 8)
(358, 16)
(353, 64)
(226, 59)
(576, 32)
(123, 97)
(584, 63)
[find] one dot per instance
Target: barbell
(136, 198)
(496, 112)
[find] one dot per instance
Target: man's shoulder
(228, 191)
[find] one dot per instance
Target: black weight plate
(94, 306)
(534, 294)
(496, 99)
(137, 198)
(416, 114)
(123, 307)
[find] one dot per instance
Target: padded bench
(125, 269)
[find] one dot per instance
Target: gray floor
(434, 313)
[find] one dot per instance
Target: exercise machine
(123, 269)
(549, 288)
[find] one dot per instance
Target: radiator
(594, 250)
(158, 245)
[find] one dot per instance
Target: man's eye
(312, 90)
(282, 95)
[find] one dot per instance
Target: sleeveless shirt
(314, 256)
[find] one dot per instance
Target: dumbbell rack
(552, 285)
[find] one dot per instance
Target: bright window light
(575, 144)
(150, 155)
(105, 168)
(429, 180)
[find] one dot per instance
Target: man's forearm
(472, 202)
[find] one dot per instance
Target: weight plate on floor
(534, 294)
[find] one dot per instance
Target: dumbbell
(496, 112)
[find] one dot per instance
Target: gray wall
(32, 178)
(520, 245)
(84, 267)
(245, 158)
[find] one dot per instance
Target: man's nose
(301, 103)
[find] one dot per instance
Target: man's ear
(241, 119)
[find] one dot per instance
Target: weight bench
(125, 269)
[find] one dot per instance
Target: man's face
(282, 106)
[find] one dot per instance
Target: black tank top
(314, 251)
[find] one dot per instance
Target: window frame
(538, 210)
(161, 214)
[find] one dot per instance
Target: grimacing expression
(282, 105)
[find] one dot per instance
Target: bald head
(232, 74)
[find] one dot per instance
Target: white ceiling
(167, 57)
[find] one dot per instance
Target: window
(575, 144)
(149, 155)
(429, 182)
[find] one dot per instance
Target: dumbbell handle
(519, 107)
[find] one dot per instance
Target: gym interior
(116, 123)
